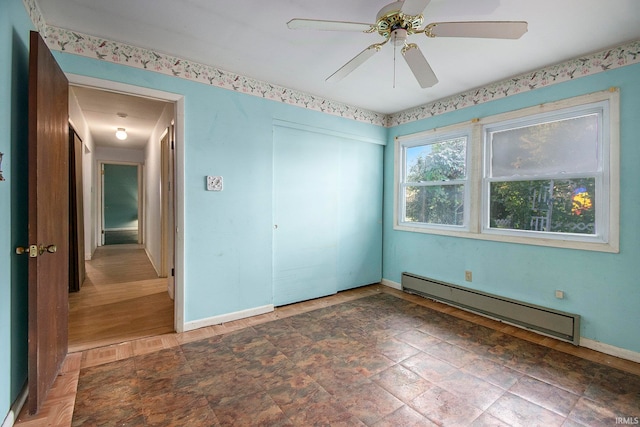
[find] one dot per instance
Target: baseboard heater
(558, 324)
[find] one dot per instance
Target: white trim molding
(228, 317)
(611, 350)
(179, 172)
(391, 284)
(15, 409)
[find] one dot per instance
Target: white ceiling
(250, 38)
(105, 112)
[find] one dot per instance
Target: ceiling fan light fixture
(400, 19)
(121, 134)
(399, 36)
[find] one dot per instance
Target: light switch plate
(214, 183)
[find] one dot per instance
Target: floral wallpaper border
(82, 44)
(605, 60)
(36, 15)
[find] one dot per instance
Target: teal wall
(228, 236)
(602, 287)
(14, 59)
(120, 196)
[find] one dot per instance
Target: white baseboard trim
(171, 288)
(153, 263)
(584, 342)
(15, 409)
(89, 255)
(391, 284)
(611, 350)
(229, 317)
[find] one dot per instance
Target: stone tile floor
(376, 359)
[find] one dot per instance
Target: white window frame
(433, 136)
(476, 205)
(601, 109)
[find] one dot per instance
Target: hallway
(122, 299)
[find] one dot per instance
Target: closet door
(360, 214)
(306, 172)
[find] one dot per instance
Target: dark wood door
(48, 220)
(76, 213)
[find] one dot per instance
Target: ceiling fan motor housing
(390, 19)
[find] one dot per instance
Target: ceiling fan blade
(481, 29)
(319, 24)
(414, 7)
(358, 60)
(419, 65)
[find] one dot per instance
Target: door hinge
(173, 272)
(173, 145)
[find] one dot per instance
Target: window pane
(439, 204)
(559, 206)
(441, 161)
(565, 146)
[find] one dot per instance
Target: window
(546, 175)
(434, 186)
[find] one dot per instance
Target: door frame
(100, 207)
(179, 171)
(167, 201)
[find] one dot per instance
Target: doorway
(113, 270)
(121, 207)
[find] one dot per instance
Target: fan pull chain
(395, 49)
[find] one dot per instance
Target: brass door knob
(32, 251)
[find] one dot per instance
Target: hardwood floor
(120, 237)
(122, 299)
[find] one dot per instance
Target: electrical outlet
(468, 276)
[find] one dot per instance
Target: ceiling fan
(401, 19)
